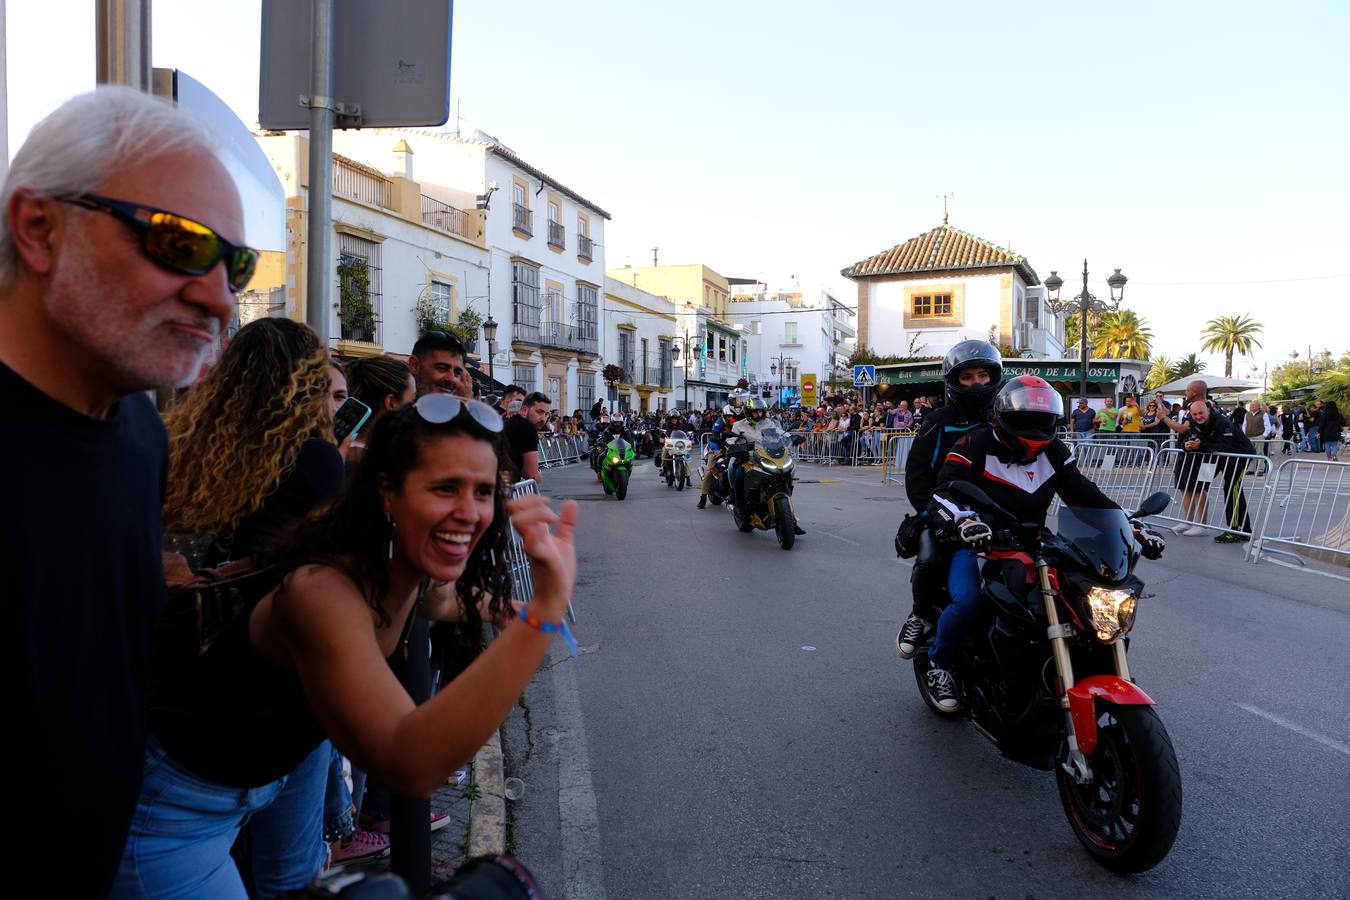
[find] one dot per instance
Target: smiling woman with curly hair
(250, 450)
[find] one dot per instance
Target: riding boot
(702, 500)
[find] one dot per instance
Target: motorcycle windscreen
(678, 435)
(619, 444)
(1103, 536)
(773, 440)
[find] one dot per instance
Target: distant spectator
(1330, 425)
(384, 384)
(97, 306)
(1083, 419)
(1107, 416)
(1129, 416)
(522, 437)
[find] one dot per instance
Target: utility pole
(123, 43)
(322, 114)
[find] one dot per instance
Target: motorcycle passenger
(1021, 465)
(731, 413)
(972, 372)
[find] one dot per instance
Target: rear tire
(1128, 816)
(621, 484)
(784, 522)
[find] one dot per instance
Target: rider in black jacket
(972, 372)
(1021, 465)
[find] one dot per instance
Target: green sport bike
(616, 467)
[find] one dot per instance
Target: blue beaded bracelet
(539, 624)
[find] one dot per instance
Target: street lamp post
(490, 335)
(778, 366)
(686, 345)
(1084, 303)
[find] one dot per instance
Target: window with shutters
(525, 303)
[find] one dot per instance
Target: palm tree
(1161, 372)
(1071, 328)
(1228, 333)
(1122, 335)
(1190, 364)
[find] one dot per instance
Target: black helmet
(972, 400)
(1026, 413)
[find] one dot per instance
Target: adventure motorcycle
(616, 467)
(1045, 676)
(674, 459)
(766, 481)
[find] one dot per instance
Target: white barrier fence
(522, 580)
(1307, 511)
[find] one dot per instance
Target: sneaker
(911, 633)
(1229, 537)
(1195, 531)
(362, 845)
(942, 688)
(438, 821)
(798, 530)
(1182, 528)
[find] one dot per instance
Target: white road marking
(583, 869)
(838, 538)
(1329, 742)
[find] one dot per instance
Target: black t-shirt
(521, 438)
(83, 582)
(315, 481)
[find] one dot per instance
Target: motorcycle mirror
(1154, 504)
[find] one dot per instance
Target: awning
(1050, 370)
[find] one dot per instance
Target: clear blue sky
(1183, 142)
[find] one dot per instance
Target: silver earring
(391, 534)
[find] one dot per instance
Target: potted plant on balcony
(467, 327)
(612, 374)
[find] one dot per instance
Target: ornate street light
(690, 348)
(490, 335)
(1083, 304)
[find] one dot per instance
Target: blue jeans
(184, 826)
(337, 803)
(963, 583)
(1332, 448)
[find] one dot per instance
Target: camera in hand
(493, 877)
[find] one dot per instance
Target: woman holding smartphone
(311, 658)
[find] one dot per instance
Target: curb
(487, 809)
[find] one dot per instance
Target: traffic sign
(808, 389)
(864, 376)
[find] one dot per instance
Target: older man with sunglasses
(120, 252)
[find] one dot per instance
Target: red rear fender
(1083, 706)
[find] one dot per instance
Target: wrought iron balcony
(522, 219)
(557, 234)
(585, 248)
(447, 218)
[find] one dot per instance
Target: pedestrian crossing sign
(864, 376)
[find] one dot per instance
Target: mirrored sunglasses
(441, 408)
(176, 242)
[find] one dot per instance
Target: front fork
(1059, 633)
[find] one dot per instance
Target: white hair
(86, 140)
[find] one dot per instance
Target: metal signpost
(367, 65)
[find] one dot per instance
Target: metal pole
(123, 43)
(1083, 333)
(319, 281)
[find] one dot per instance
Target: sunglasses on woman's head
(441, 408)
(176, 242)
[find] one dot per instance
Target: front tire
(785, 522)
(621, 484)
(1128, 815)
(681, 477)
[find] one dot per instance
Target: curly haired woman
(312, 657)
(250, 457)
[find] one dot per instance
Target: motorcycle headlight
(681, 446)
(613, 460)
(1112, 612)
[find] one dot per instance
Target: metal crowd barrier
(522, 580)
(1307, 507)
(560, 451)
(1214, 491)
(895, 454)
(1121, 469)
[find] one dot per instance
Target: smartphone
(349, 418)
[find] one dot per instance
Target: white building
(921, 297)
(640, 334)
(791, 332)
(524, 250)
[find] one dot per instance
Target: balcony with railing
(557, 234)
(649, 370)
(444, 217)
(585, 248)
(522, 219)
(361, 183)
(581, 338)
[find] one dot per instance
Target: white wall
(654, 321)
(886, 324)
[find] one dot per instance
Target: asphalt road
(738, 724)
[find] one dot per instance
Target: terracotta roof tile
(944, 249)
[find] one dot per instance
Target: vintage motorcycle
(1045, 675)
(674, 459)
(767, 466)
(616, 467)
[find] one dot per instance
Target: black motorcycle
(1045, 676)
